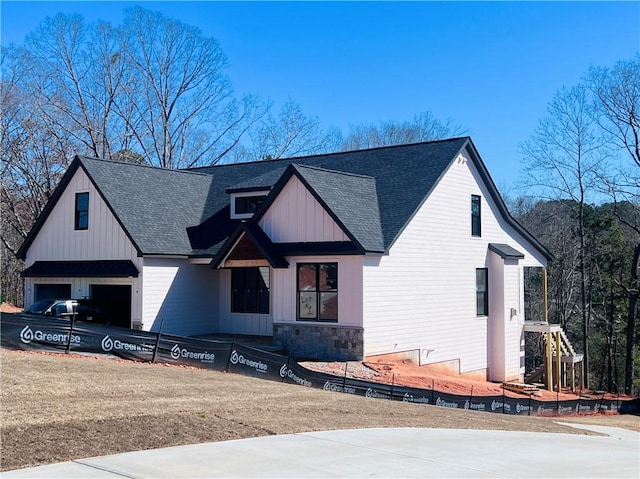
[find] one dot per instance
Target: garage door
(115, 301)
(52, 291)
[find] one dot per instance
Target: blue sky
(490, 66)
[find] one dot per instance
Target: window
(318, 292)
(250, 290)
(82, 211)
(482, 292)
(476, 229)
(248, 204)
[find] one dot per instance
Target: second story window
(248, 204)
(82, 211)
(476, 224)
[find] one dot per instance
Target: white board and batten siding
(180, 294)
(296, 216)
(422, 296)
(103, 240)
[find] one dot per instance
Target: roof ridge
(292, 159)
(82, 158)
(328, 170)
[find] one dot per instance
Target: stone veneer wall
(320, 341)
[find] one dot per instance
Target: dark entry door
(115, 301)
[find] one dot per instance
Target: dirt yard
(57, 408)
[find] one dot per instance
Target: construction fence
(27, 332)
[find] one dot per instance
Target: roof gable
(349, 199)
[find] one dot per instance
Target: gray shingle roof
(155, 206)
(372, 193)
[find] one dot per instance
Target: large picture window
(482, 292)
(318, 292)
(82, 211)
(476, 224)
(250, 290)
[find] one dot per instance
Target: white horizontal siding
(58, 240)
(181, 294)
(296, 216)
(422, 294)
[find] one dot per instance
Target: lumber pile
(520, 387)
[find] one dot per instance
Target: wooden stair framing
(559, 355)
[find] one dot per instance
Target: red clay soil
(406, 373)
(9, 308)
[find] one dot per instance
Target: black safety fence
(20, 331)
(193, 352)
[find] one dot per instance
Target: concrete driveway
(403, 452)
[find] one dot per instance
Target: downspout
(545, 301)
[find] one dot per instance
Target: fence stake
(344, 380)
(393, 381)
(284, 378)
(73, 320)
(233, 346)
(155, 350)
(433, 390)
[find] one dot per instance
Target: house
(404, 250)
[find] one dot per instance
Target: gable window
(250, 290)
(82, 211)
(248, 204)
(476, 229)
(317, 291)
(482, 292)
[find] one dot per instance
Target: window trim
(476, 218)
(317, 292)
(243, 197)
(245, 289)
(484, 312)
(250, 203)
(80, 214)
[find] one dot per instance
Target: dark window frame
(316, 293)
(246, 286)
(482, 295)
(248, 205)
(81, 217)
(476, 216)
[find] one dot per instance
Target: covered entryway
(115, 301)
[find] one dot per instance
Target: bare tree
(185, 113)
(33, 157)
(77, 77)
(617, 103)
(290, 133)
(423, 127)
(563, 158)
